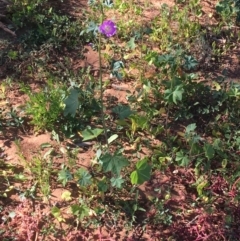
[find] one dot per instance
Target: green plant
(45, 106)
(45, 24)
(40, 169)
(227, 9)
(161, 215)
(164, 29)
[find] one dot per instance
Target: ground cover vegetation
(158, 158)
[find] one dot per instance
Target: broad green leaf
(182, 158)
(142, 172)
(116, 65)
(217, 85)
(123, 111)
(66, 196)
(89, 134)
(165, 59)
(131, 43)
(112, 138)
(113, 163)
(81, 211)
(191, 127)
(56, 212)
(92, 27)
(72, 103)
(12, 54)
(138, 121)
(117, 182)
(174, 95)
(190, 62)
(224, 7)
(84, 178)
(64, 176)
(177, 94)
(209, 151)
(102, 186)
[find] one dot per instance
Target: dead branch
(3, 9)
(2, 26)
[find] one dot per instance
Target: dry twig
(3, 9)
(2, 26)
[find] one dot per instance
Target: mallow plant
(110, 169)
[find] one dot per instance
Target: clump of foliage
(45, 24)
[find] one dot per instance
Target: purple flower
(108, 28)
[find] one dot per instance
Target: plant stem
(101, 89)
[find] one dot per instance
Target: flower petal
(108, 28)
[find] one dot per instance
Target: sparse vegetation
(145, 136)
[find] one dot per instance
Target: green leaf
(174, 95)
(142, 172)
(92, 27)
(56, 212)
(182, 158)
(191, 127)
(201, 186)
(84, 178)
(164, 60)
(123, 111)
(177, 94)
(112, 138)
(224, 163)
(102, 186)
(190, 62)
(224, 7)
(131, 43)
(113, 163)
(80, 211)
(64, 176)
(89, 134)
(45, 145)
(209, 151)
(117, 65)
(48, 153)
(117, 182)
(72, 103)
(12, 54)
(138, 121)
(66, 196)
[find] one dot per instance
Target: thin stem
(100, 76)
(101, 90)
